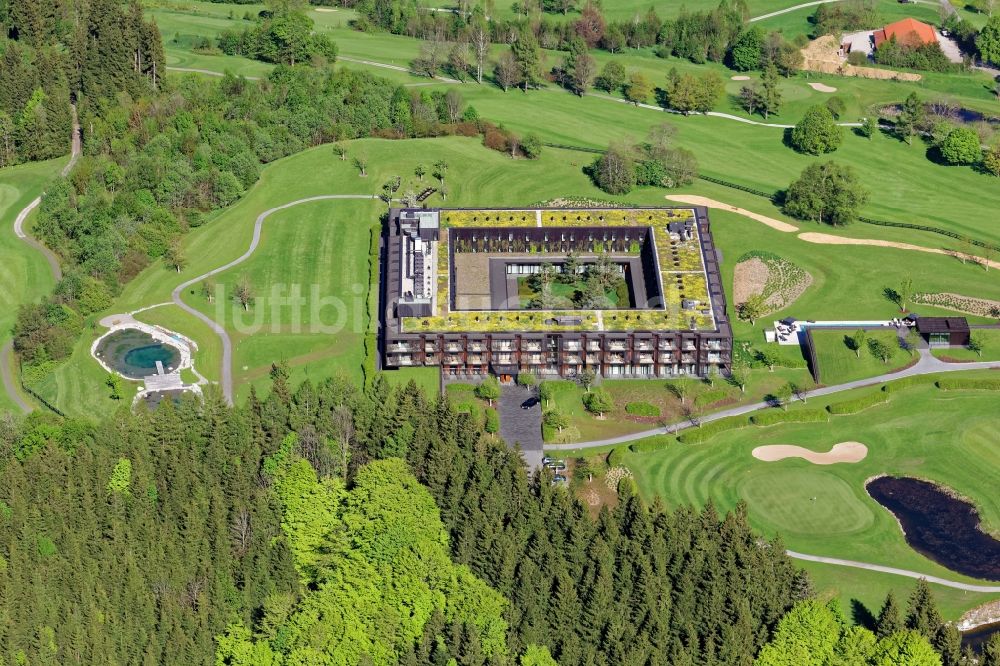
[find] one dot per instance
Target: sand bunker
(712, 203)
(740, 77)
(830, 239)
(324, 9)
(844, 452)
(822, 87)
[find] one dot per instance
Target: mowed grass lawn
(824, 510)
(838, 363)
(25, 276)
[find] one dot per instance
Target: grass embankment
(839, 364)
(824, 510)
(24, 272)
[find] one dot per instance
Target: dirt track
(777, 225)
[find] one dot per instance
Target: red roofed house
(908, 32)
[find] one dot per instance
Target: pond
(134, 353)
(939, 526)
(978, 637)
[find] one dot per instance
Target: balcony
(404, 360)
(616, 359)
(453, 359)
(531, 346)
(430, 348)
(403, 347)
(667, 358)
(715, 358)
(593, 359)
(689, 345)
(476, 359)
(644, 345)
(571, 359)
(571, 346)
(593, 345)
(666, 345)
(503, 345)
(617, 345)
(535, 359)
(477, 347)
(453, 347)
(645, 358)
(714, 345)
(687, 358)
(503, 359)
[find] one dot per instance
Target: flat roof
(942, 325)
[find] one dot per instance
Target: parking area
(521, 422)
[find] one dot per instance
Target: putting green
(808, 497)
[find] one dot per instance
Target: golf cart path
(206, 72)
(927, 365)
(50, 256)
(968, 587)
(789, 9)
(398, 68)
(226, 374)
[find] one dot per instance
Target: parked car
(529, 403)
(559, 478)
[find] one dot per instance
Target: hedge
(369, 364)
(959, 384)
(642, 409)
(711, 429)
(650, 444)
(907, 382)
(616, 455)
(858, 404)
(774, 416)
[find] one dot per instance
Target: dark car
(529, 403)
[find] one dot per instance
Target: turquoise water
(134, 353)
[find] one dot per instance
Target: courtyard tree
(817, 132)
(546, 393)
(769, 357)
(783, 395)
(244, 291)
(680, 389)
(739, 375)
(598, 402)
(526, 379)
(554, 418)
(361, 164)
(856, 342)
(880, 350)
(905, 292)
(420, 171)
(911, 116)
(752, 309)
(869, 127)
(489, 390)
(440, 170)
(976, 344)
(961, 146)
(612, 77)
(827, 192)
(638, 88)
(991, 160)
(614, 171)
(114, 382)
(492, 423)
(587, 379)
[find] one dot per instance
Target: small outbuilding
(944, 331)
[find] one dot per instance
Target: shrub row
(711, 429)
(961, 383)
(616, 455)
(858, 404)
(642, 409)
(907, 382)
(774, 416)
(651, 444)
(368, 367)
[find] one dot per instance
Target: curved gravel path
(76, 146)
(790, 9)
(206, 72)
(226, 374)
(969, 587)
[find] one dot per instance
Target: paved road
(927, 364)
(794, 8)
(893, 570)
(8, 378)
(226, 373)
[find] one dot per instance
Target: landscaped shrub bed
(775, 416)
(858, 404)
(711, 429)
(652, 444)
(962, 384)
(642, 409)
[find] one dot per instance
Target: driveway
(521, 426)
